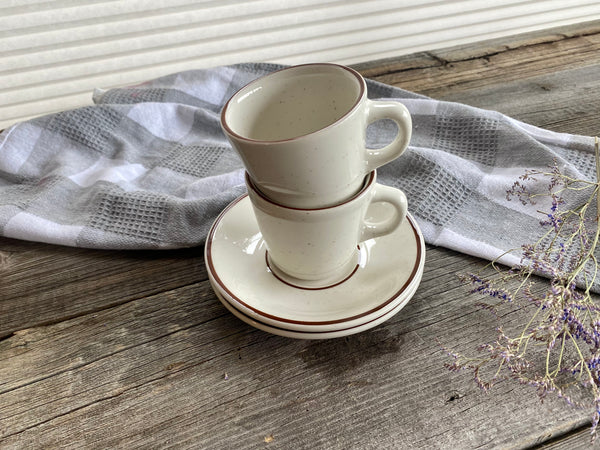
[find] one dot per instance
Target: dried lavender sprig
(565, 319)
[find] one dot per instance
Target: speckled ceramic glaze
(319, 247)
(301, 133)
(389, 271)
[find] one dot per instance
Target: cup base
(330, 280)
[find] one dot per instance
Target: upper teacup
(301, 133)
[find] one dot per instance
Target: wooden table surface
(106, 349)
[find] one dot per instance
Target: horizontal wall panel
(54, 53)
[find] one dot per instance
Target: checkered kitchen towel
(148, 167)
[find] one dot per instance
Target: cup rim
(368, 182)
(362, 89)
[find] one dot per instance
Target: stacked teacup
(301, 134)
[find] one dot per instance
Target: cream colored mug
(320, 245)
(301, 133)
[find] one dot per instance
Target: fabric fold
(148, 167)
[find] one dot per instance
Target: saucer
(388, 272)
(297, 334)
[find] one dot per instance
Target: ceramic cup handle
(397, 112)
(393, 196)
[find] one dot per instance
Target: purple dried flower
(487, 286)
(554, 217)
(565, 319)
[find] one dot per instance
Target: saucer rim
(314, 334)
(398, 304)
(417, 268)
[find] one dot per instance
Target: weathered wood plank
(42, 283)
(78, 362)
(158, 365)
(565, 101)
(576, 440)
(458, 69)
(476, 50)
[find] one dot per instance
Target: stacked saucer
(388, 272)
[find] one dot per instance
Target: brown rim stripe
(368, 181)
(301, 322)
(361, 94)
(287, 330)
(310, 288)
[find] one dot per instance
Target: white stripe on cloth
(170, 122)
(18, 143)
(33, 228)
(114, 171)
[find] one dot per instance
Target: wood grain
(182, 371)
(105, 349)
(43, 284)
(575, 440)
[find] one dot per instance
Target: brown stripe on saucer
(222, 285)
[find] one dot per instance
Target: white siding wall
(54, 52)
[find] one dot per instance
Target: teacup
(301, 133)
(319, 247)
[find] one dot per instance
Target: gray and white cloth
(148, 167)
